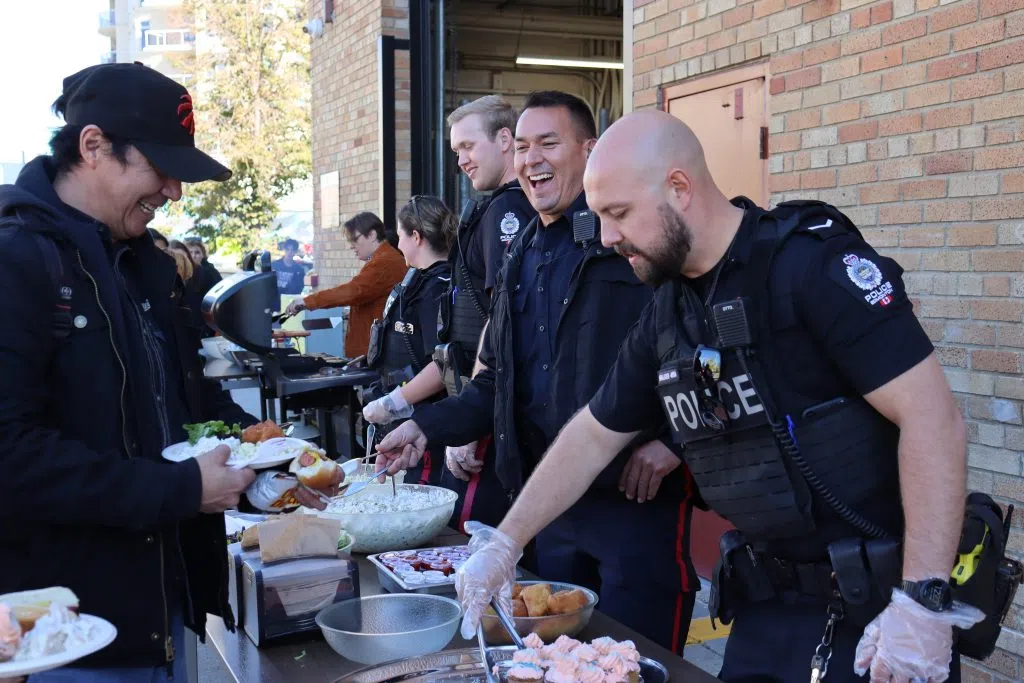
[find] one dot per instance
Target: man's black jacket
(605, 299)
(90, 504)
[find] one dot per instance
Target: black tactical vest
(464, 313)
(772, 473)
(392, 344)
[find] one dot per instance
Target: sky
(41, 42)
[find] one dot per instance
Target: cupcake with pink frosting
(533, 641)
(627, 650)
(603, 645)
(586, 653)
(619, 669)
(563, 670)
(590, 673)
(564, 645)
(525, 672)
(529, 656)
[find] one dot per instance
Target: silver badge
(81, 321)
(862, 272)
(510, 224)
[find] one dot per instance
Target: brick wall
(345, 105)
(909, 116)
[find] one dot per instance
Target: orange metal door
(727, 120)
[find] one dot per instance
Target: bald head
(645, 146)
(648, 182)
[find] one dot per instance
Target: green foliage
(252, 94)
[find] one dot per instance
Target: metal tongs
(510, 628)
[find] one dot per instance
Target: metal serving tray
(393, 583)
(462, 666)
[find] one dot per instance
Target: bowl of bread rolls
(547, 608)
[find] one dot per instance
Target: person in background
(193, 300)
(99, 376)
(291, 273)
(158, 239)
(402, 342)
(183, 262)
(207, 275)
(366, 293)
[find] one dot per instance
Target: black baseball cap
(147, 109)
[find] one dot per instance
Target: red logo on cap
(185, 112)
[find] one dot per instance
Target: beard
(665, 260)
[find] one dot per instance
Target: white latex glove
(489, 572)
(461, 461)
(909, 642)
(387, 409)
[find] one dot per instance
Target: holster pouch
(865, 585)
(984, 576)
(449, 360)
(739, 578)
(376, 345)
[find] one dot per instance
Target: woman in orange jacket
(366, 293)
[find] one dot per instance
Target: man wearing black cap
(100, 371)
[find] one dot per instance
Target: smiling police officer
(481, 137)
(784, 353)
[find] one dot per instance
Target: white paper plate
(103, 635)
(270, 453)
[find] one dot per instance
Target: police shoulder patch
(860, 274)
(509, 226)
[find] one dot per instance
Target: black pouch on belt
(865, 573)
(738, 578)
(983, 575)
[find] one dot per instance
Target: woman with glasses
(402, 341)
(366, 293)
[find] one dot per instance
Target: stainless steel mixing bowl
(382, 628)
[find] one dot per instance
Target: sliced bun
(319, 475)
(307, 458)
(28, 606)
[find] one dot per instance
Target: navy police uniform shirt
(504, 218)
(544, 276)
(847, 329)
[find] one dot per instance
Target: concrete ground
(704, 648)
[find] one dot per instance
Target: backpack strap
(61, 321)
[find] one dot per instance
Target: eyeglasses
(707, 370)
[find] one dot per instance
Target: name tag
(682, 405)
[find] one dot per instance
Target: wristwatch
(934, 594)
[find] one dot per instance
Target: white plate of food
(259, 446)
(270, 453)
(40, 630)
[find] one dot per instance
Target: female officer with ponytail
(402, 343)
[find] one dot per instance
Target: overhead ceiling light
(577, 63)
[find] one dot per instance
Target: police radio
(732, 323)
(585, 227)
(468, 209)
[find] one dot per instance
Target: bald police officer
(783, 351)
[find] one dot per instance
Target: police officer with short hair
(481, 136)
(563, 304)
(783, 351)
(402, 342)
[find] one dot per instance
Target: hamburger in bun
(314, 470)
(28, 606)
